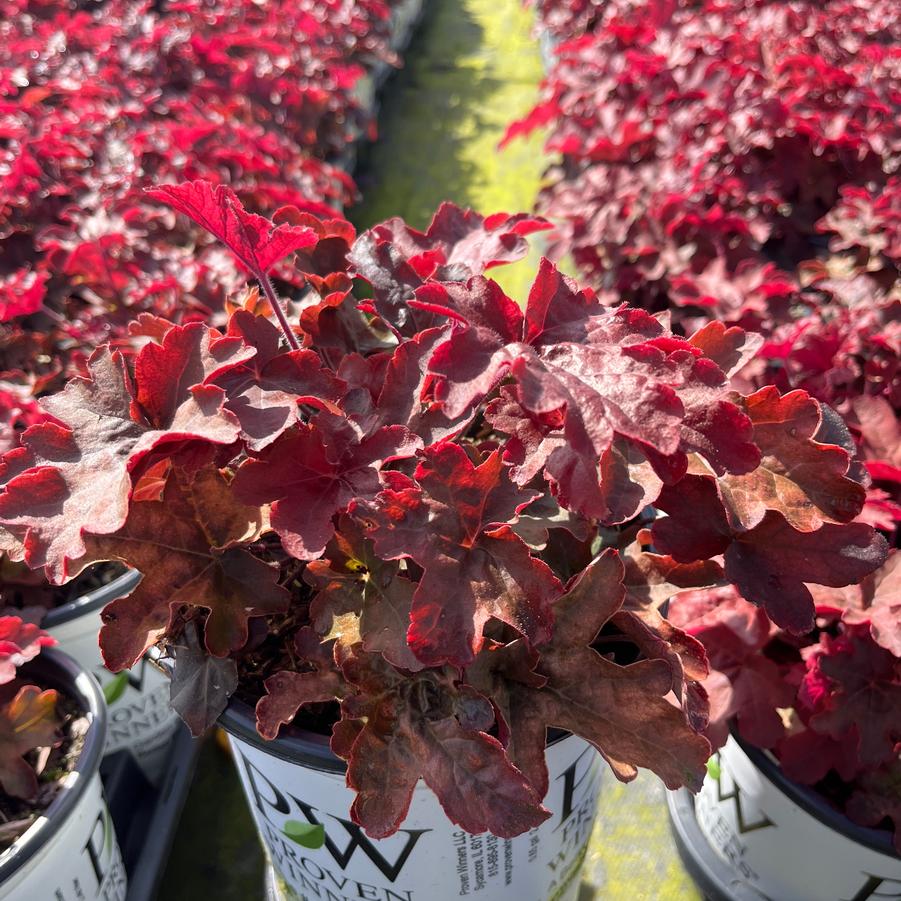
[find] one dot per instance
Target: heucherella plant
(826, 704)
(406, 510)
(28, 716)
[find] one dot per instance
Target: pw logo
(310, 832)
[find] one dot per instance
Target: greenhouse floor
(472, 68)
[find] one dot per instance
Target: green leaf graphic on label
(310, 835)
(114, 689)
(713, 768)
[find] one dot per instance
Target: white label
(429, 858)
(140, 719)
(81, 862)
(778, 849)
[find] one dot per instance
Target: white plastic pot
(70, 853)
(140, 718)
(783, 842)
(297, 780)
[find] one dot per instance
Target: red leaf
(265, 393)
(22, 293)
(730, 348)
(770, 563)
(453, 524)
(425, 730)
(877, 797)
(288, 691)
(19, 642)
(187, 546)
(351, 579)
(256, 241)
(27, 722)
(604, 375)
(865, 696)
(880, 604)
(804, 480)
(735, 632)
(72, 479)
(309, 474)
(458, 244)
(621, 710)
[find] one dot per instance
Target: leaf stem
(276, 305)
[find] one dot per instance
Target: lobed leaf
(253, 239)
(188, 546)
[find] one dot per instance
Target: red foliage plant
(738, 161)
(417, 512)
(96, 100)
(28, 716)
(828, 704)
(735, 160)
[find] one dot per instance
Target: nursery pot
(70, 852)
(753, 833)
(295, 780)
(140, 719)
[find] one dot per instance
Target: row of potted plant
(736, 162)
(410, 522)
(96, 99)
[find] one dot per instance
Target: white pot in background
(785, 843)
(140, 718)
(297, 779)
(70, 853)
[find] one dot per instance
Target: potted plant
(407, 522)
(140, 718)
(812, 768)
(56, 839)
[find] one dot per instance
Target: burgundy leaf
(309, 474)
(621, 710)
(351, 579)
(27, 722)
(802, 479)
(19, 642)
(266, 392)
(422, 732)
(254, 240)
(451, 521)
(866, 696)
(71, 479)
(188, 548)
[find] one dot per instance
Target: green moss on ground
(631, 856)
(474, 67)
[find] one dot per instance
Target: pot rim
(54, 669)
(813, 803)
(300, 746)
(92, 601)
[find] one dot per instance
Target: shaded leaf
(200, 685)
(452, 522)
(621, 710)
(27, 722)
(187, 546)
